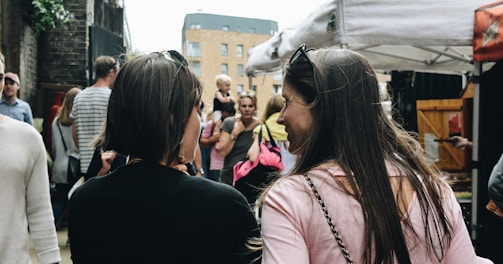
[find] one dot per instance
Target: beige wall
(211, 61)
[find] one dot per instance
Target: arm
(55, 134)
(39, 209)
(210, 135)
(230, 97)
(74, 133)
(198, 162)
(460, 250)
(29, 116)
(224, 99)
(107, 157)
(254, 149)
(225, 144)
(228, 136)
(461, 142)
(282, 234)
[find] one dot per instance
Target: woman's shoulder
(215, 193)
(288, 185)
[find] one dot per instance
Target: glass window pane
(223, 50)
(193, 49)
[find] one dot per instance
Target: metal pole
(475, 141)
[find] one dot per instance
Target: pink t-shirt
(294, 229)
(216, 160)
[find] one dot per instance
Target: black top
(148, 213)
(217, 105)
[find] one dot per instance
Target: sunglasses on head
(247, 94)
(175, 56)
(301, 53)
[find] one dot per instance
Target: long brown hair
(64, 112)
(350, 124)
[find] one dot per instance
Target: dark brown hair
(151, 101)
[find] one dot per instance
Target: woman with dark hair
(149, 211)
(361, 190)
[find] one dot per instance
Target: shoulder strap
(62, 138)
(338, 238)
(271, 139)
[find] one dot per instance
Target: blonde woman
(236, 135)
(62, 130)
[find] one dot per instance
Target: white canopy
(421, 35)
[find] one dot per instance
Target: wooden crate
(442, 119)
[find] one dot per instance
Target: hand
(107, 157)
(181, 167)
(239, 127)
(460, 142)
(491, 206)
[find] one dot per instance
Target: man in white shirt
(90, 108)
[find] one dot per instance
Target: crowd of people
(355, 187)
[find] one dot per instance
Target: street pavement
(65, 251)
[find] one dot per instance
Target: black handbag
(73, 170)
(250, 178)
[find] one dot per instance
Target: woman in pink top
(210, 136)
(385, 203)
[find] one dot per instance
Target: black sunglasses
(301, 52)
(176, 57)
(179, 59)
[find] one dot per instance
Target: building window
(239, 51)
(240, 88)
(277, 88)
(223, 50)
(193, 49)
(225, 28)
(240, 70)
(254, 88)
(195, 26)
(224, 68)
(277, 77)
(195, 66)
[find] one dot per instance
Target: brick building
(57, 59)
(215, 44)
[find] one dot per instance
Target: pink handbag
(250, 177)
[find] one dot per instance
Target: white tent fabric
(421, 35)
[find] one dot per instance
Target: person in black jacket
(149, 211)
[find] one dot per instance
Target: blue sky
(156, 25)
